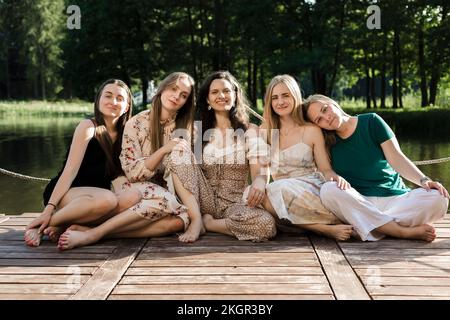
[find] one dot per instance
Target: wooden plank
(52, 248)
(39, 278)
(411, 297)
(224, 288)
(53, 255)
(231, 256)
(390, 252)
(354, 258)
(405, 281)
(105, 278)
(195, 279)
(45, 270)
(217, 262)
(398, 264)
(33, 288)
(210, 270)
(397, 244)
(34, 296)
(342, 278)
(50, 262)
(222, 297)
(240, 249)
(409, 290)
(425, 272)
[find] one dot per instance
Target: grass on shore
(45, 108)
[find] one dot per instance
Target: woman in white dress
(299, 163)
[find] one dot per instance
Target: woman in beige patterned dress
(229, 153)
(148, 147)
(296, 148)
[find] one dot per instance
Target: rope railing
(31, 178)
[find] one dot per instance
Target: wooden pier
(219, 267)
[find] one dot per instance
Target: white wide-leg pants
(365, 214)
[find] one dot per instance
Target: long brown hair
(329, 135)
(112, 150)
(272, 119)
(238, 114)
(185, 116)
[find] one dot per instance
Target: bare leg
(196, 227)
(267, 205)
(70, 238)
(216, 225)
(423, 232)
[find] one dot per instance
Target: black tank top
(92, 172)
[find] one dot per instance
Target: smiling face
(221, 96)
(325, 115)
(175, 95)
(113, 101)
(282, 100)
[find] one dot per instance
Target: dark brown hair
(112, 150)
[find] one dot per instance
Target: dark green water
(37, 146)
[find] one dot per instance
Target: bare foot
(33, 237)
(193, 232)
(78, 227)
(340, 232)
(73, 238)
(423, 232)
(53, 233)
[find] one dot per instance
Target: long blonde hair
(185, 116)
(272, 120)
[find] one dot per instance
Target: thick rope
(22, 176)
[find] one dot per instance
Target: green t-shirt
(360, 159)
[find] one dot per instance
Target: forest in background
(325, 44)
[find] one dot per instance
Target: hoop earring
(209, 107)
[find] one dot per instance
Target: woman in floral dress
(230, 150)
(147, 148)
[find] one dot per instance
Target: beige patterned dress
(157, 202)
(295, 192)
(218, 184)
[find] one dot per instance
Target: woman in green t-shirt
(365, 152)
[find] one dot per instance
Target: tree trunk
(394, 72)
(192, 36)
(8, 83)
(399, 68)
(434, 85)
(423, 78)
(366, 69)
(254, 78)
(249, 74)
(218, 29)
(337, 51)
(383, 73)
(372, 88)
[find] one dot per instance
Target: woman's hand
(341, 182)
(257, 192)
(42, 221)
(430, 184)
(176, 144)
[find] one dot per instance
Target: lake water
(37, 147)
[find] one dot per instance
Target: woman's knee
(128, 198)
(329, 190)
(105, 203)
(266, 226)
(438, 205)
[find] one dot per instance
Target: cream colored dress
(295, 192)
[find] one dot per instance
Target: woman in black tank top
(80, 193)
